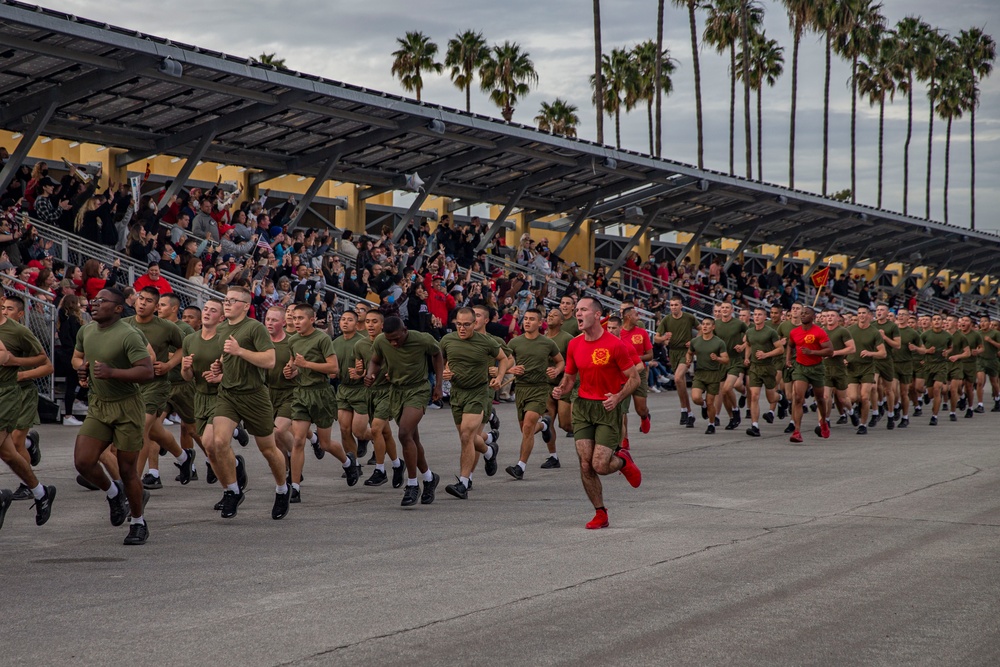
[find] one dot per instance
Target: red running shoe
(630, 469)
(644, 424)
(625, 444)
(824, 429)
(600, 520)
(796, 437)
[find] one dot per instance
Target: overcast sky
(352, 41)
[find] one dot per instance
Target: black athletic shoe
(716, 422)
(995, 408)
(904, 423)
(862, 430)
(230, 502)
(494, 420)
(490, 465)
(873, 421)
(919, 411)
(458, 490)
(818, 431)
(547, 430)
(43, 506)
(371, 459)
(933, 421)
(842, 420)
(33, 449)
(783, 406)
(296, 496)
(732, 424)
(5, 500)
(362, 448)
(749, 415)
(855, 419)
(242, 480)
(185, 467)
(704, 412)
(790, 428)
(150, 482)
(690, 422)
(119, 506)
(742, 402)
(242, 437)
(281, 501)
(979, 410)
(968, 413)
(684, 419)
(22, 492)
(410, 496)
(318, 451)
(219, 505)
(397, 475)
(551, 462)
(737, 418)
(378, 478)
(813, 407)
(515, 471)
(710, 430)
(769, 417)
(138, 533)
(210, 474)
(953, 417)
(163, 452)
(353, 472)
(890, 424)
(962, 403)
(881, 410)
(427, 497)
(753, 432)
(194, 474)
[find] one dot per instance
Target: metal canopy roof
(84, 80)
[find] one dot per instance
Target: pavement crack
(923, 520)
(975, 471)
(748, 511)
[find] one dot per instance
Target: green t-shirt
(162, 335)
(239, 375)
(206, 353)
(679, 328)
(940, 341)
(975, 339)
(20, 342)
(119, 346)
(731, 333)
(406, 364)
(175, 373)
(864, 339)
(571, 326)
(470, 360)
(891, 330)
(703, 349)
(364, 350)
(838, 337)
(990, 352)
(785, 328)
(765, 341)
(317, 347)
(959, 343)
(536, 357)
(347, 357)
(904, 354)
(276, 376)
(561, 340)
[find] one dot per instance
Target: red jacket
(439, 304)
(145, 281)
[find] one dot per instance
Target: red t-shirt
(161, 284)
(812, 340)
(638, 341)
(601, 365)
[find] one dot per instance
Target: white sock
(396, 463)
(522, 465)
(182, 458)
(489, 452)
(545, 427)
(296, 486)
(428, 475)
(554, 456)
(380, 467)
(488, 438)
(465, 481)
(952, 412)
(138, 520)
(234, 487)
(113, 490)
(347, 462)
(770, 412)
(980, 404)
(890, 413)
(281, 490)
(411, 482)
(154, 472)
(683, 411)
(906, 416)
(313, 438)
(38, 492)
(755, 425)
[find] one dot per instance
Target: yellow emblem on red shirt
(809, 339)
(601, 356)
(636, 339)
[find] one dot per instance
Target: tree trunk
(748, 138)
(972, 160)
(930, 149)
(906, 146)
(658, 76)
(947, 167)
(854, 125)
(881, 128)
(468, 96)
(795, 90)
(697, 82)
(649, 118)
(618, 128)
(732, 108)
(760, 145)
(598, 79)
(826, 115)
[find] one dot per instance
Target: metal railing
(40, 316)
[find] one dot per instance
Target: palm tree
(598, 77)
(619, 75)
(876, 78)
(953, 94)
(270, 59)
(507, 74)
(930, 68)
(860, 35)
(693, 22)
(723, 29)
(465, 54)
(658, 77)
(828, 18)
(910, 42)
(415, 55)
(977, 52)
(649, 69)
(800, 13)
(558, 118)
(767, 63)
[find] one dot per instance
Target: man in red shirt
(811, 344)
(439, 304)
(614, 326)
(607, 375)
(636, 336)
(153, 278)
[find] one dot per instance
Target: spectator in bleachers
(203, 224)
(96, 276)
(152, 278)
(347, 247)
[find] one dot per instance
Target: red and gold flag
(821, 277)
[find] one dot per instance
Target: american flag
(263, 244)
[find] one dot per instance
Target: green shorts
(409, 396)
(903, 371)
(155, 396)
(814, 374)
(353, 397)
(379, 403)
(786, 375)
(991, 367)
(204, 410)
(592, 422)
(969, 372)
(885, 369)
(316, 405)
(642, 390)
(956, 372)
(119, 422)
(532, 398)
(708, 381)
(573, 393)
(252, 407)
(678, 357)
(27, 416)
(281, 401)
(836, 375)
(10, 408)
(762, 376)
(472, 402)
(181, 401)
(920, 370)
(935, 374)
(738, 367)
(860, 372)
